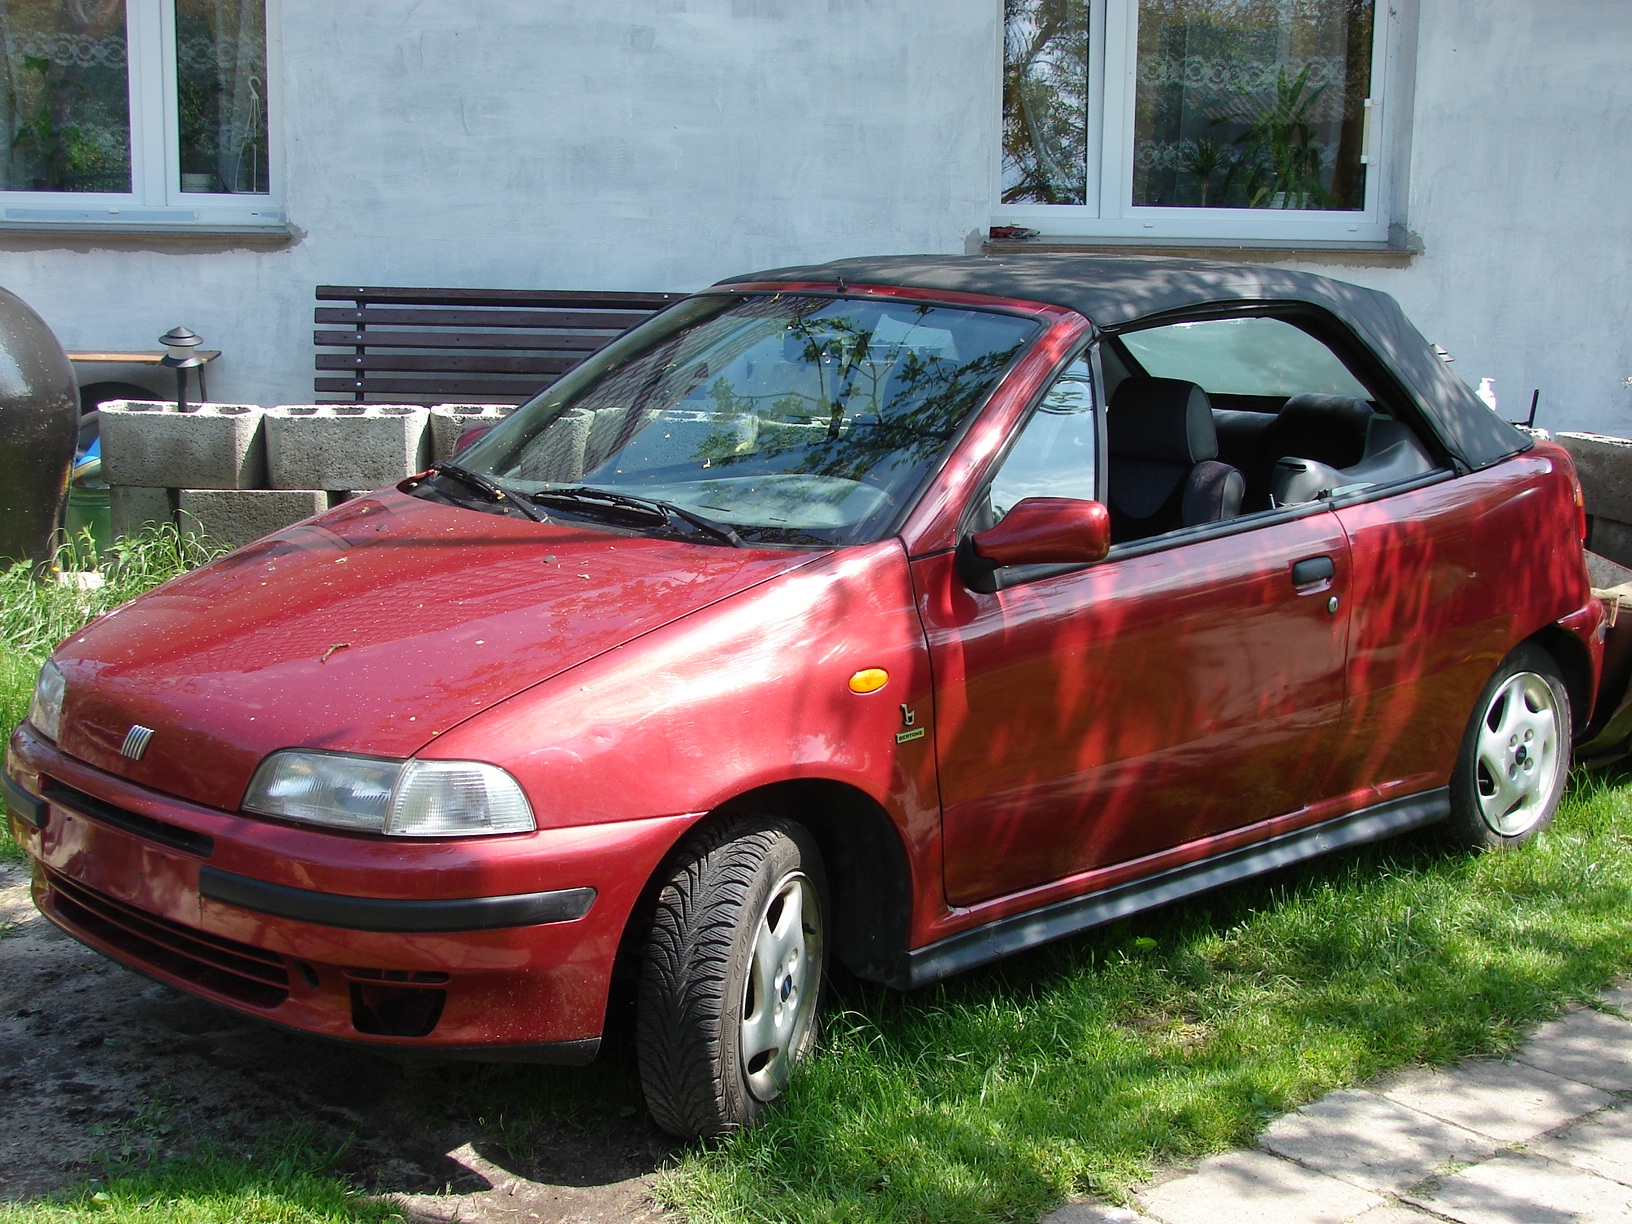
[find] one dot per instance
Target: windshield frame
(542, 409)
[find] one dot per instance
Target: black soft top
(1118, 292)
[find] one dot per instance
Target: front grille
(224, 966)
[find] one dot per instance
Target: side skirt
(1005, 936)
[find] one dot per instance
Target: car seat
(1329, 443)
(1163, 468)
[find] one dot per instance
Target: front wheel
(732, 978)
(1515, 755)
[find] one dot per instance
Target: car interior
(1213, 419)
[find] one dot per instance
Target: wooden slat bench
(432, 346)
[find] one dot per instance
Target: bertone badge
(136, 741)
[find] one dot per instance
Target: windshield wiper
(665, 511)
(491, 489)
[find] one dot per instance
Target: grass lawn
(289, 1182)
(1073, 1068)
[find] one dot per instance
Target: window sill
(207, 220)
(1269, 251)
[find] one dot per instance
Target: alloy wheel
(1518, 754)
(779, 995)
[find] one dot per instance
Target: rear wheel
(1515, 755)
(733, 975)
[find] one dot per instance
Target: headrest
(1165, 419)
(1328, 428)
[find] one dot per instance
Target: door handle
(1313, 570)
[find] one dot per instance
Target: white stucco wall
(1521, 192)
(662, 144)
(569, 144)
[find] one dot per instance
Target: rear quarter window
(1258, 356)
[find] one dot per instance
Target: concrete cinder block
(1604, 464)
(558, 453)
(1610, 539)
(345, 446)
(133, 509)
(148, 444)
(234, 517)
(450, 421)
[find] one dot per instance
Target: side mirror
(1048, 531)
(1036, 531)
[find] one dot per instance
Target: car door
(1183, 688)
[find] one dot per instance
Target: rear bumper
(496, 948)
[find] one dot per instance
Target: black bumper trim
(30, 809)
(381, 914)
(126, 821)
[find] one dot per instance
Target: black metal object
(39, 424)
(183, 354)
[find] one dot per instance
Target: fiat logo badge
(136, 741)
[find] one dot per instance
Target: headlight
(401, 798)
(45, 711)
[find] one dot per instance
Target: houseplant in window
(1280, 140)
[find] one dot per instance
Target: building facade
(209, 162)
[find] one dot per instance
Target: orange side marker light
(869, 680)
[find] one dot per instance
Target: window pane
(221, 95)
(1054, 454)
(64, 96)
(1045, 101)
(1251, 103)
(1243, 357)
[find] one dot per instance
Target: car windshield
(775, 419)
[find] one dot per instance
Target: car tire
(733, 973)
(1515, 755)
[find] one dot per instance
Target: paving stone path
(1542, 1138)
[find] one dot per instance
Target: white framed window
(1196, 119)
(139, 115)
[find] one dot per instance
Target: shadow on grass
(1075, 1066)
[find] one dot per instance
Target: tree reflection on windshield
(792, 418)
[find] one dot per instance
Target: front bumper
(496, 947)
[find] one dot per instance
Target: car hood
(372, 629)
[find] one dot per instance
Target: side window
(1056, 452)
(1218, 418)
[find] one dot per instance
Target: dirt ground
(98, 1062)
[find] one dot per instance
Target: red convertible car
(899, 612)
